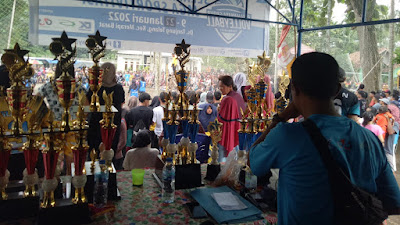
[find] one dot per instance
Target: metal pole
(11, 24)
(391, 47)
(300, 29)
(276, 50)
(364, 10)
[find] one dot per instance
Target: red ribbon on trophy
(107, 135)
(79, 160)
(31, 158)
(4, 157)
(50, 162)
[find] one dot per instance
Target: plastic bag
(229, 174)
(273, 180)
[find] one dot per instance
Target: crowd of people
(341, 116)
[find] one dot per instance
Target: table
(143, 205)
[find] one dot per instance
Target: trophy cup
(96, 49)
(66, 84)
(79, 151)
(19, 71)
(50, 157)
(214, 167)
(108, 129)
(31, 148)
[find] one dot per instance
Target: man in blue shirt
(304, 195)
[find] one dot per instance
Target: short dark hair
(342, 75)
(227, 81)
(174, 95)
(363, 94)
(217, 95)
(144, 96)
(362, 86)
(142, 139)
(163, 96)
(316, 74)
(373, 92)
(210, 97)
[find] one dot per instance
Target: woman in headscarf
(109, 84)
(207, 115)
(240, 81)
(203, 97)
(228, 116)
(269, 96)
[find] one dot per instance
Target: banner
(130, 28)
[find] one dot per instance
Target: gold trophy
(50, 157)
(282, 102)
(96, 49)
(214, 167)
(66, 84)
(173, 117)
(31, 148)
(79, 180)
(19, 71)
(165, 139)
(194, 124)
(108, 129)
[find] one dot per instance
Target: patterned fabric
(143, 205)
(49, 92)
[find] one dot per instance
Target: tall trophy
(50, 153)
(32, 146)
(282, 102)
(96, 49)
(182, 53)
(194, 125)
(214, 167)
(79, 151)
(66, 84)
(19, 71)
(108, 129)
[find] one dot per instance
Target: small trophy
(194, 124)
(282, 102)
(79, 151)
(96, 49)
(108, 129)
(66, 84)
(214, 167)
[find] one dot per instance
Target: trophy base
(187, 176)
(212, 172)
(18, 206)
(57, 214)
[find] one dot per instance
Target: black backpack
(352, 205)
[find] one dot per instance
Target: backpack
(352, 205)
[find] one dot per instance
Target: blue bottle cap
(169, 160)
(102, 162)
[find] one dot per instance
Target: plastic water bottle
(168, 191)
(100, 185)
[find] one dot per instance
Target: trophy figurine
(282, 102)
(194, 125)
(165, 140)
(96, 49)
(19, 71)
(216, 134)
(80, 150)
(66, 84)
(50, 157)
(108, 129)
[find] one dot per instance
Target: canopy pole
(300, 29)
(11, 24)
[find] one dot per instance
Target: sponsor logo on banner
(228, 29)
(69, 24)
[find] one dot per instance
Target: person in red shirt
(385, 120)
